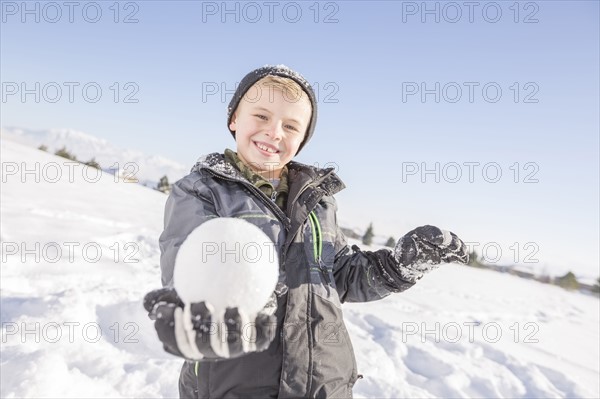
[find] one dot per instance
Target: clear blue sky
(364, 60)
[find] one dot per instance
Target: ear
(233, 123)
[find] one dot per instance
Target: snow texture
(76, 328)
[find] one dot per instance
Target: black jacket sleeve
(364, 276)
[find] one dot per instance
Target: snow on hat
(276, 70)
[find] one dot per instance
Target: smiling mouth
(264, 148)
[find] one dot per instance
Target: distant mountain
(148, 169)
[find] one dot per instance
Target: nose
(275, 131)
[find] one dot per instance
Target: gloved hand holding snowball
(424, 248)
(223, 301)
(193, 332)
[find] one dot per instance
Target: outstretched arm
(365, 276)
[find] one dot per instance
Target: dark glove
(424, 248)
(193, 332)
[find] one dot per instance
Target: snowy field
(78, 257)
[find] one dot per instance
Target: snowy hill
(78, 257)
(148, 169)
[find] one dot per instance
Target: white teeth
(265, 148)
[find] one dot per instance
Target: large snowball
(227, 262)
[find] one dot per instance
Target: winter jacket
(311, 355)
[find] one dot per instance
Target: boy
(272, 116)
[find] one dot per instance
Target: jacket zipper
(269, 202)
(283, 218)
(318, 245)
(290, 203)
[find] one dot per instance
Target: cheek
(242, 139)
(293, 143)
(245, 133)
(298, 140)
(250, 127)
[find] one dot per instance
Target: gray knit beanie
(275, 70)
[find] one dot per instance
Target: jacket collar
(216, 163)
(300, 175)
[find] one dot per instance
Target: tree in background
(568, 281)
(596, 287)
(368, 237)
(391, 242)
(43, 148)
(65, 154)
(474, 260)
(163, 185)
(92, 163)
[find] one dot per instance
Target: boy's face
(269, 127)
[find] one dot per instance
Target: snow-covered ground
(73, 323)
